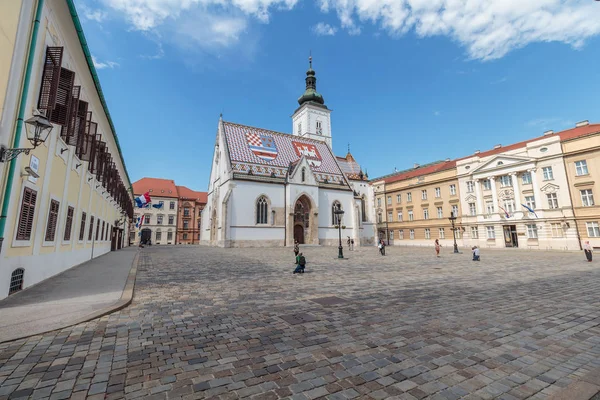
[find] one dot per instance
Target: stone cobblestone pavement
(236, 323)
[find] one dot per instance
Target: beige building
(581, 148)
(413, 207)
(65, 198)
(159, 224)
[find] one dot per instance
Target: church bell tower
(312, 119)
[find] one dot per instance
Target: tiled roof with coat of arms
(267, 153)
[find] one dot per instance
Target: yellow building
(413, 207)
(66, 199)
(581, 148)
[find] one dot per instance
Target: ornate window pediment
(501, 161)
(470, 198)
(506, 194)
(550, 188)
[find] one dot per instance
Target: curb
(584, 388)
(124, 301)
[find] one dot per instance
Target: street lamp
(38, 128)
(339, 214)
(452, 220)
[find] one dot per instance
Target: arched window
(335, 206)
(262, 209)
(303, 174)
(16, 280)
(363, 208)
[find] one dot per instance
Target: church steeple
(311, 94)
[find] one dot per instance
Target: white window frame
(526, 178)
(389, 200)
(425, 213)
(401, 234)
(474, 232)
(593, 228)
(453, 190)
(440, 212)
(438, 192)
(587, 197)
(441, 233)
(470, 186)
(557, 230)
(412, 234)
(472, 209)
(487, 184)
(532, 231)
(490, 232)
(399, 198)
(455, 210)
(427, 233)
(505, 181)
(400, 216)
(530, 202)
(489, 207)
(409, 196)
(390, 216)
(424, 194)
(581, 168)
(411, 215)
(392, 234)
(552, 200)
(548, 174)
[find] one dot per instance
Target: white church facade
(270, 189)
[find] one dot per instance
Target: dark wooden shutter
(91, 231)
(52, 220)
(97, 229)
(100, 160)
(102, 235)
(26, 217)
(69, 223)
(60, 113)
(50, 79)
(82, 228)
(69, 131)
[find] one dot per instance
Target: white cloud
(499, 81)
(102, 65)
(488, 29)
(93, 14)
(323, 29)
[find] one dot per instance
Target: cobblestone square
(236, 323)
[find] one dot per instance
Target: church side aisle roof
(262, 152)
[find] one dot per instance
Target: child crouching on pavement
(300, 264)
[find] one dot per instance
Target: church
(270, 189)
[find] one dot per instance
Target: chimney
(477, 151)
(416, 166)
(582, 123)
(550, 132)
(447, 159)
(497, 146)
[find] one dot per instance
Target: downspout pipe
(19, 128)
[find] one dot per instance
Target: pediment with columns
(500, 162)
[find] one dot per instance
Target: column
(494, 193)
(479, 198)
(515, 184)
(536, 189)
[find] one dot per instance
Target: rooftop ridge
(407, 170)
(276, 133)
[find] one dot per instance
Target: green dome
(311, 94)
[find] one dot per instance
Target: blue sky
(408, 80)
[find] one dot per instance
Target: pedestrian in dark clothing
(381, 247)
(587, 249)
(296, 249)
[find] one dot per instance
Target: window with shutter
(27, 211)
(60, 113)
(91, 230)
(82, 228)
(97, 229)
(69, 131)
(50, 79)
(52, 221)
(102, 235)
(69, 223)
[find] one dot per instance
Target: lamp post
(38, 128)
(339, 214)
(452, 220)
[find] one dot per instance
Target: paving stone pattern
(206, 323)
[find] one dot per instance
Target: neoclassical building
(268, 188)
(160, 224)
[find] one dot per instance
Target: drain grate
(329, 301)
(295, 319)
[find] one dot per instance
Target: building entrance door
(299, 233)
(120, 239)
(510, 236)
(146, 235)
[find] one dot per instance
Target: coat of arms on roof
(309, 151)
(262, 146)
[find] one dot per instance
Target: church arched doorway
(299, 233)
(301, 219)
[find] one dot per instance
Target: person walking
(381, 247)
(296, 249)
(587, 249)
(437, 247)
(475, 253)
(348, 241)
(352, 244)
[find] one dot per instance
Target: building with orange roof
(189, 220)
(536, 194)
(413, 206)
(159, 224)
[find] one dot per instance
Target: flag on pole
(159, 205)
(530, 210)
(505, 213)
(142, 200)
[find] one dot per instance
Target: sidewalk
(79, 294)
